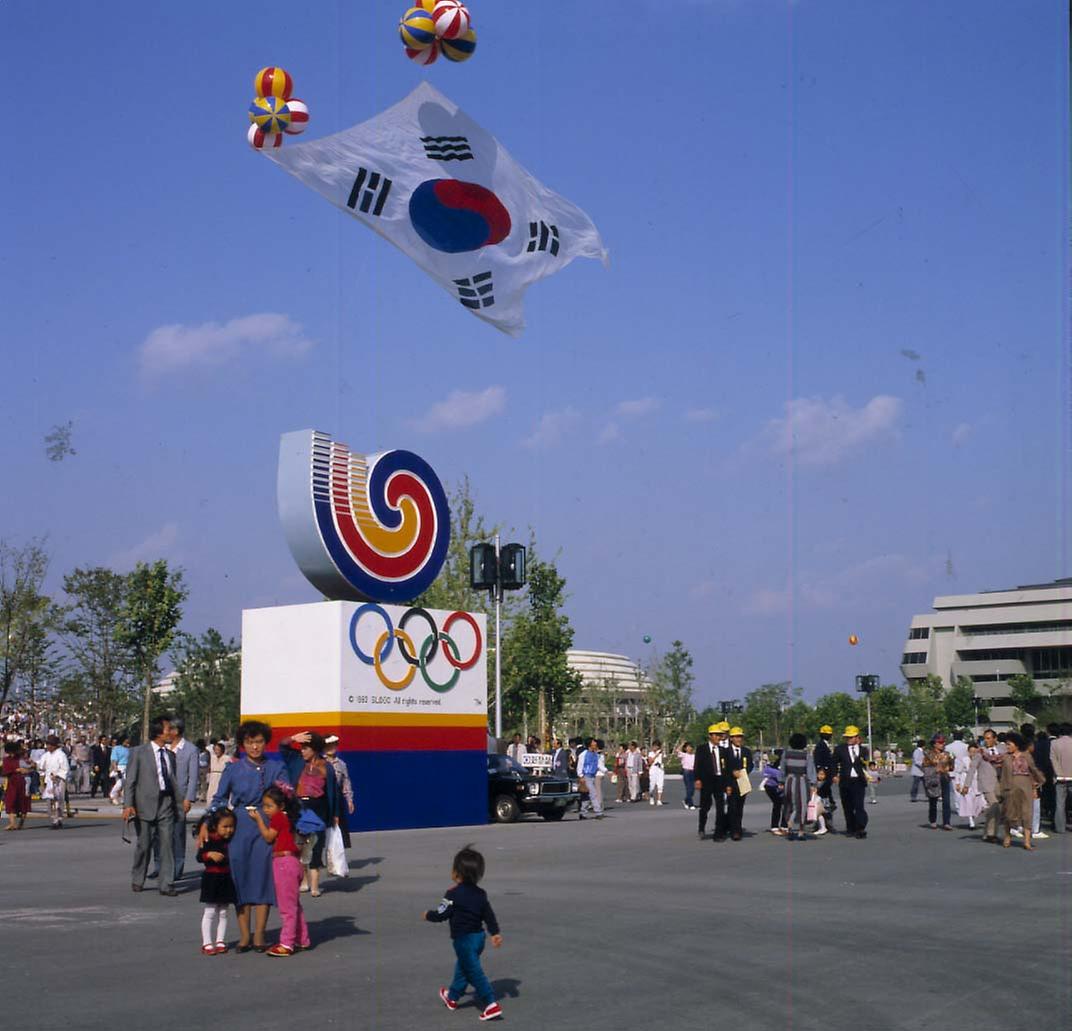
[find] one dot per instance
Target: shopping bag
(813, 809)
(335, 853)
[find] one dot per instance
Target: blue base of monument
(396, 790)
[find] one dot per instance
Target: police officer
(711, 780)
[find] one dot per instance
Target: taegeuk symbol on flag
(445, 192)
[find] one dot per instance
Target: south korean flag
(444, 191)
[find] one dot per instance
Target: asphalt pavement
(626, 922)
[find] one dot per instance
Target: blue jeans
(689, 777)
(468, 971)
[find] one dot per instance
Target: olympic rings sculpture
(416, 658)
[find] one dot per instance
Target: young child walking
(467, 908)
(217, 888)
(282, 810)
(820, 812)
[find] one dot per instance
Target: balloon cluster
(274, 111)
(437, 27)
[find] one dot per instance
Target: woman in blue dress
(243, 784)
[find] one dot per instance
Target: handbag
(335, 853)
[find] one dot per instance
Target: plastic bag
(335, 853)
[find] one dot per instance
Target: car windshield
(504, 764)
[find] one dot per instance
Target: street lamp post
(497, 568)
(867, 684)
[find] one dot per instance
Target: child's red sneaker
(492, 1012)
(447, 1000)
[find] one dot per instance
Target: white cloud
(815, 431)
(851, 587)
(461, 409)
(551, 428)
(176, 348)
(962, 433)
(700, 415)
(609, 434)
(157, 545)
(638, 407)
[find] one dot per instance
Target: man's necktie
(164, 772)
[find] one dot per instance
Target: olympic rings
(416, 658)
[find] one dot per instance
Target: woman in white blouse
(656, 774)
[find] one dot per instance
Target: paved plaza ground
(625, 923)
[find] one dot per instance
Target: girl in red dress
(16, 797)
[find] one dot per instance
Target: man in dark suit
(823, 756)
(100, 759)
(711, 780)
(850, 775)
(738, 757)
(560, 760)
(151, 799)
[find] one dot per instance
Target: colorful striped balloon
(427, 5)
(426, 56)
(451, 19)
(260, 140)
(460, 49)
(273, 82)
(270, 114)
(299, 116)
(417, 29)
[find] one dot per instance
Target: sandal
(315, 894)
(220, 948)
(208, 950)
(280, 950)
(243, 948)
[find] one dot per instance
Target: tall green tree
(890, 722)
(152, 609)
(536, 676)
(959, 704)
(450, 590)
(1025, 695)
(763, 718)
(208, 684)
(669, 696)
(101, 676)
(840, 709)
(925, 703)
(23, 607)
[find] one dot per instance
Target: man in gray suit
(986, 768)
(187, 773)
(151, 799)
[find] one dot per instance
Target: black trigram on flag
(475, 292)
(369, 192)
(447, 148)
(543, 237)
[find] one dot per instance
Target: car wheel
(506, 809)
(553, 814)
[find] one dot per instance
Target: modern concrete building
(994, 635)
(616, 689)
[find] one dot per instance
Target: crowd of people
(1009, 781)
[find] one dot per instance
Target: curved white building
(614, 692)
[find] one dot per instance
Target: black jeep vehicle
(513, 790)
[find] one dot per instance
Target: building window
(1050, 663)
(919, 633)
(982, 629)
(990, 654)
(913, 658)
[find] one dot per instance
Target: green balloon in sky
(647, 638)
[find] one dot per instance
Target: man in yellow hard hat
(823, 756)
(850, 775)
(738, 758)
(711, 775)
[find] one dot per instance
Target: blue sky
(824, 379)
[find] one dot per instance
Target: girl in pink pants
(282, 811)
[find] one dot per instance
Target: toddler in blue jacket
(467, 908)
